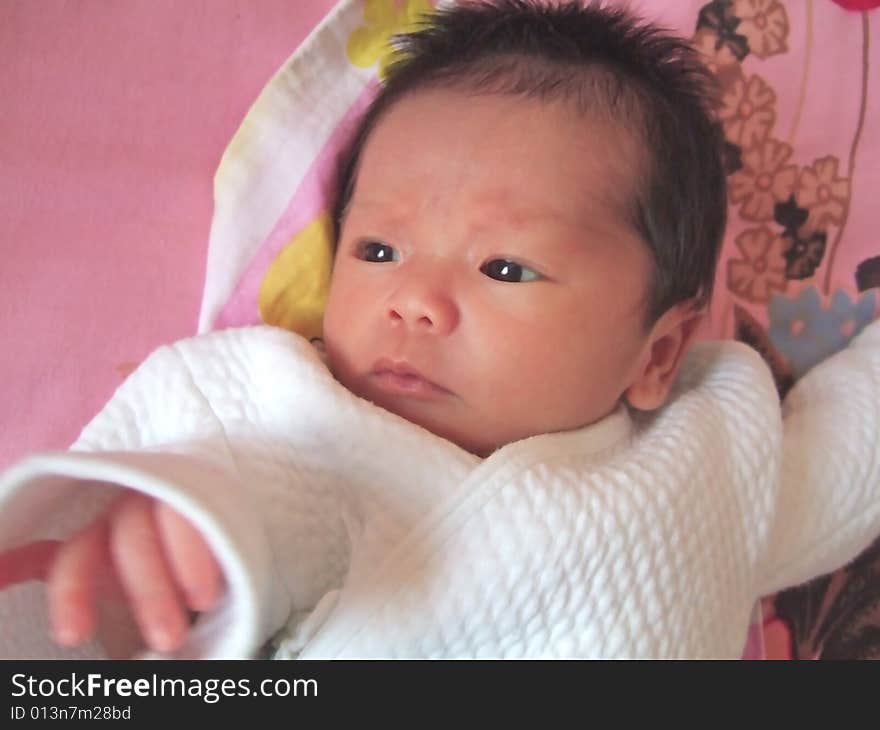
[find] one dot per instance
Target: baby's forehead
(529, 157)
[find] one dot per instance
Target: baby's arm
(54, 485)
(170, 433)
(139, 549)
(828, 507)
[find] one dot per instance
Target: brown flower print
(868, 274)
(717, 56)
(764, 179)
(748, 111)
(835, 616)
(823, 193)
(764, 23)
(761, 270)
(804, 255)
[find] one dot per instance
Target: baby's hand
(157, 559)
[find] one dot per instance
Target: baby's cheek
(337, 327)
(337, 356)
(569, 392)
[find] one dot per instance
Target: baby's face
(486, 286)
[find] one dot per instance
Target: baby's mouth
(398, 377)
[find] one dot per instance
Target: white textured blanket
(623, 539)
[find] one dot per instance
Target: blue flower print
(805, 333)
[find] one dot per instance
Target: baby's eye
(504, 270)
(376, 252)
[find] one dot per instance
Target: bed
(115, 242)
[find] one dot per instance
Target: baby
(528, 224)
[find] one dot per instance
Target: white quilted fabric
(629, 538)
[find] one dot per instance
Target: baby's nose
(424, 307)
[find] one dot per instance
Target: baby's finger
(71, 584)
(191, 560)
(136, 547)
(28, 562)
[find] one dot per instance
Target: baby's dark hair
(605, 62)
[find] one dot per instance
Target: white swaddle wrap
(622, 539)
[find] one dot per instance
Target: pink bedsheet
(113, 117)
(112, 121)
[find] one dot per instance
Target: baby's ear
(668, 340)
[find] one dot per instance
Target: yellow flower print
(748, 111)
(370, 43)
(761, 270)
(764, 23)
(764, 180)
(824, 194)
(294, 290)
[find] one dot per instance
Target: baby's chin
(454, 432)
(459, 431)
(461, 428)
(468, 442)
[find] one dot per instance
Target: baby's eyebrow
(528, 216)
(495, 208)
(388, 211)
(494, 212)
(523, 217)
